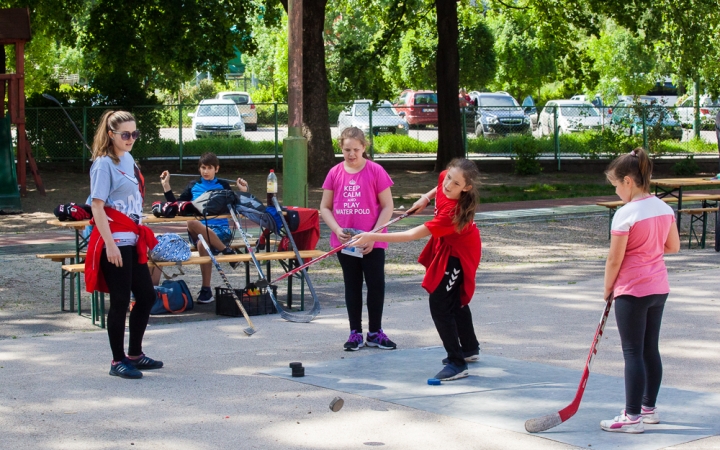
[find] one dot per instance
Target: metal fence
(559, 131)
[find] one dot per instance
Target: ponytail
(636, 165)
(102, 144)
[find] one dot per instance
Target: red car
(418, 107)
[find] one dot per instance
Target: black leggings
(120, 281)
(371, 267)
(638, 320)
(453, 323)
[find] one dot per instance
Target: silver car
(384, 118)
(245, 105)
(217, 118)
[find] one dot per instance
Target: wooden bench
(97, 306)
(706, 199)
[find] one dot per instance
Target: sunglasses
(126, 135)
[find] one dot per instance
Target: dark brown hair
(636, 165)
(468, 201)
(102, 144)
(354, 133)
(209, 159)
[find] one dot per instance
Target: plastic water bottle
(272, 186)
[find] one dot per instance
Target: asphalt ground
(215, 391)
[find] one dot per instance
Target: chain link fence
(559, 130)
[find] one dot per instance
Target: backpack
(170, 247)
(249, 206)
(215, 203)
(172, 297)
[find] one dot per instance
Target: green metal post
(557, 137)
(464, 132)
(644, 118)
(295, 163)
(696, 110)
(277, 146)
(84, 157)
(180, 129)
(372, 135)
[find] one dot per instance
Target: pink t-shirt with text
(646, 222)
(355, 197)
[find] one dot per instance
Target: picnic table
(306, 237)
(673, 187)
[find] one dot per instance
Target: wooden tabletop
(684, 182)
(79, 224)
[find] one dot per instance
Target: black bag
(215, 203)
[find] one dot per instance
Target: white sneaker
(623, 424)
(651, 416)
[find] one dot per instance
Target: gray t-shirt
(118, 186)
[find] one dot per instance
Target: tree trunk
(450, 140)
(316, 117)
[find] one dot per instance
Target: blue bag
(172, 297)
(170, 247)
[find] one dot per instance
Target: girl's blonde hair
(102, 144)
(636, 165)
(468, 201)
(354, 133)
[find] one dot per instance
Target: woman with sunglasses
(116, 260)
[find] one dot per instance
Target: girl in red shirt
(451, 257)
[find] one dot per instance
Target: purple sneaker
(380, 340)
(354, 342)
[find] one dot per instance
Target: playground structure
(15, 30)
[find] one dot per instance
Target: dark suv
(498, 114)
(419, 108)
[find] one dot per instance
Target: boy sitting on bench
(218, 232)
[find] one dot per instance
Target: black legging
(453, 323)
(120, 281)
(371, 267)
(638, 320)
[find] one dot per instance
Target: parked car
(530, 109)
(419, 108)
(217, 117)
(709, 108)
(245, 106)
(498, 114)
(572, 116)
(626, 117)
(384, 118)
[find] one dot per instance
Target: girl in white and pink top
(357, 198)
(636, 277)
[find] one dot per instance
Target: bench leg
(704, 229)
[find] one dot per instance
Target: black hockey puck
(294, 365)
(336, 404)
(298, 372)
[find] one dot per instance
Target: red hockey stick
(261, 283)
(552, 420)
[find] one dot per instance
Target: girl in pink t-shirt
(635, 275)
(356, 198)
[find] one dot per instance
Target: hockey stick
(262, 282)
(53, 99)
(251, 330)
(339, 248)
(316, 304)
(552, 420)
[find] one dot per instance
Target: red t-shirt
(446, 241)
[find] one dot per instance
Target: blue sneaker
(205, 295)
(354, 342)
(145, 363)
(124, 369)
(452, 372)
(380, 340)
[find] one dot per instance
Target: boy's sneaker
(623, 424)
(452, 372)
(380, 340)
(472, 356)
(124, 369)
(205, 295)
(354, 342)
(230, 251)
(650, 415)
(145, 363)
